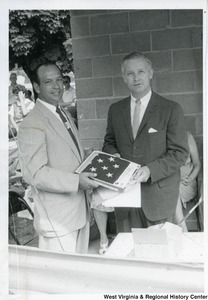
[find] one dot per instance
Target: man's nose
(136, 76)
(56, 84)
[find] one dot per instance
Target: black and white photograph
(104, 150)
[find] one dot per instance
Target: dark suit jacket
(163, 151)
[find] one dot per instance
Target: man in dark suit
(50, 151)
(150, 130)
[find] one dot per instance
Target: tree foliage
(39, 35)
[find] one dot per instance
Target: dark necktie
(67, 125)
(136, 118)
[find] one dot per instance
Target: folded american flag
(112, 172)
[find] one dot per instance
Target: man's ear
(36, 87)
(124, 78)
(151, 73)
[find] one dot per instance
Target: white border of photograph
(5, 6)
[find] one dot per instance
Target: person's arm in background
(11, 117)
(22, 101)
(74, 97)
(195, 160)
(13, 162)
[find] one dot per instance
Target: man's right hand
(117, 154)
(86, 182)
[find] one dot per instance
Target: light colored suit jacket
(48, 158)
(161, 144)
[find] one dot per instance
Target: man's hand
(186, 180)
(86, 182)
(117, 155)
(142, 174)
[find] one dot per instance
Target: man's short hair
(35, 77)
(135, 55)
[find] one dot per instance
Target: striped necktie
(136, 118)
(67, 125)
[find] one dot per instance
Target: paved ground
(25, 233)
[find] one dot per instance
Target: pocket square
(151, 130)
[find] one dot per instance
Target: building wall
(172, 39)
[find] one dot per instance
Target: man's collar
(48, 105)
(143, 99)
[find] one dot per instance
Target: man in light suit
(158, 143)
(49, 155)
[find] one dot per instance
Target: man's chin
(57, 98)
(138, 89)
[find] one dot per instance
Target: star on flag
(109, 175)
(111, 158)
(108, 169)
(116, 166)
(104, 168)
(93, 169)
(100, 160)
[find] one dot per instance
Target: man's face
(50, 89)
(137, 74)
(13, 78)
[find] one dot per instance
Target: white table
(189, 248)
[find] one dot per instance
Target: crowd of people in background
(21, 101)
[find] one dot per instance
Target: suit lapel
(58, 127)
(75, 131)
(148, 113)
(127, 117)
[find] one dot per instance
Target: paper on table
(149, 236)
(188, 247)
(129, 198)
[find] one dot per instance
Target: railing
(31, 269)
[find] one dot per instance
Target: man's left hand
(142, 175)
(186, 180)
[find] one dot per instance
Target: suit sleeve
(109, 145)
(176, 148)
(33, 160)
